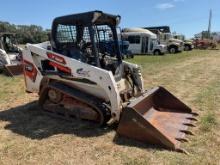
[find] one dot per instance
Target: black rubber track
(97, 104)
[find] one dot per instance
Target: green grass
(208, 121)
(11, 87)
(145, 60)
(208, 100)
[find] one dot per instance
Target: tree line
(25, 33)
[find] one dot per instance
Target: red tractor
(204, 44)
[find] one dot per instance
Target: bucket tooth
(189, 124)
(187, 132)
(194, 114)
(181, 150)
(157, 117)
(192, 118)
(182, 139)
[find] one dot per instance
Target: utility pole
(210, 23)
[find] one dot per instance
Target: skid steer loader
(10, 55)
(77, 78)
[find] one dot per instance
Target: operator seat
(72, 51)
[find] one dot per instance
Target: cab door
(151, 45)
(144, 45)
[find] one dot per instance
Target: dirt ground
(29, 137)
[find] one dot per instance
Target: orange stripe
(60, 67)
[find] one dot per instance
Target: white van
(143, 41)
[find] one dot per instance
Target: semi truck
(188, 44)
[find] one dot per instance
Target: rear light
(56, 58)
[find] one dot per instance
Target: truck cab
(173, 45)
(143, 41)
(188, 44)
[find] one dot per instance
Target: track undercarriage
(70, 106)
